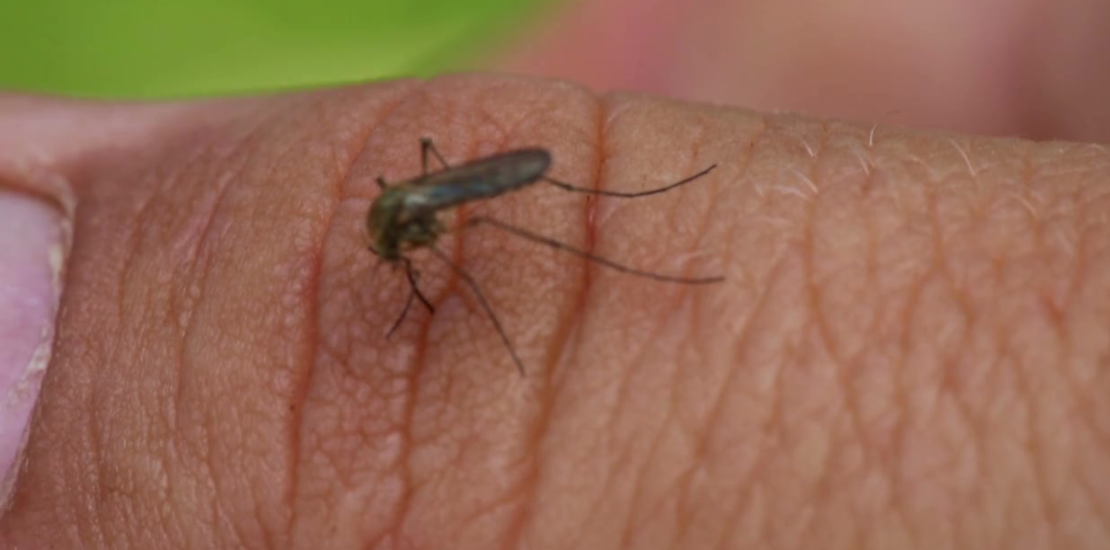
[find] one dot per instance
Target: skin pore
(909, 349)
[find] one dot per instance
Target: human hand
(909, 348)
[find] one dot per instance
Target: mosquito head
(381, 224)
(394, 227)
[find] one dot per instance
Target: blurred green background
(152, 48)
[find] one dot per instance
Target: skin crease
(909, 350)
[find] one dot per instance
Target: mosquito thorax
(393, 229)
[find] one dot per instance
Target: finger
(35, 216)
(41, 139)
(254, 377)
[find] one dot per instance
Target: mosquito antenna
(576, 189)
(481, 300)
(524, 233)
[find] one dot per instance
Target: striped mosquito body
(403, 217)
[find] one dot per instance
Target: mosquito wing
(475, 180)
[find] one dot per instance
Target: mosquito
(403, 218)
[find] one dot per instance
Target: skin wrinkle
(948, 384)
(680, 492)
(95, 383)
(900, 432)
(404, 460)
(819, 485)
(684, 481)
(393, 99)
(367, 132)
(1025, 396)
(753, 491)
(190, 263)
(1040, 250)
(1081, 407)
(1087, 417)
(1041, 492)
(491, 510)
(703, 227)
(181, 357)
(188, 259)
(1095, 503)
(202, 452)
(603, 107)
(96, 394)
(684, 511)
(842, 366)
(639, 487)
(296, 424)
(606, 489)
(1026, 389)
(199, 269)
(548, 400)
(715, 205)
(885, 468)
(741, 340)
(964, 412)
(94, 530)
(949, 277)
(750, 481)
(86, 530)
(572, 327)
(944, 270)
(182, 315)
(966, 309)
(624, 456)
(870, 269)
(682, 485)
(876, 460)
(571, 330)
(677, 490)
(623, 390)
(667, 494)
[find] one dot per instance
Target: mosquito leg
(414, 292)
(381, 183)
(481, 300)
(576, 189)
(404, 312)
(412, 276)
(427, 146)
(547, 241)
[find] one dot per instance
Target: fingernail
(32, 250)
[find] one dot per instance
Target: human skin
(909, 350)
